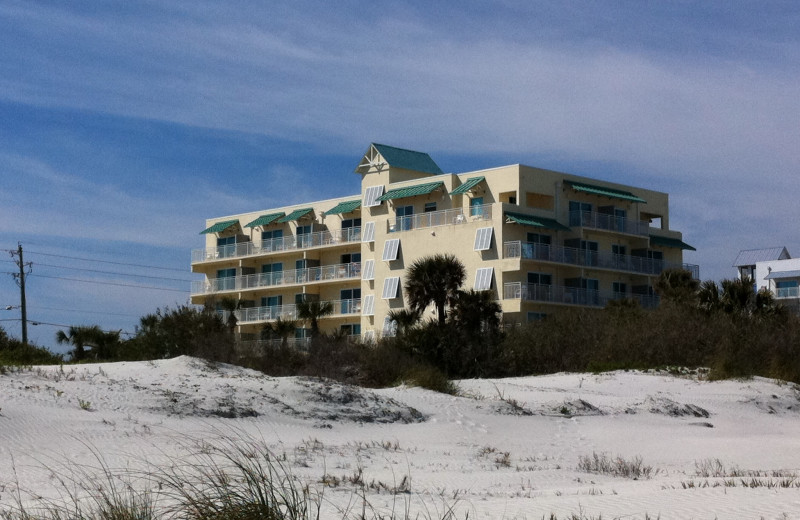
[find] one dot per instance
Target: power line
(108, 262)
(114, 273)
(109, 283)
(38, 307)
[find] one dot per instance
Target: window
(536, 238)
(483, 278)
(272, 274)
(390, 288)
(390, 249)
(786, 289)
(351, 300)
(619, 288)
(483, 239)
(618, 250)
(579, 213)
(226, 247)
(351, 258)
(304, 236)
(540, 278)
(368, 305)
(351, 223)
(226, 279)
(476, 206)
(272, 240)
(351, 227)
(371, 196)
(369, 270)
(272, 301)
(536, 316)
(351, 329)
(430, 207)
(369, 232)
(405, 220)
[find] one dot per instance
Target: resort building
(539, 240)
(773, 269)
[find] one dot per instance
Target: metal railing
(289, 312)
(289, 243)
(446, 217)
(787, 292)
(291, 277)
(570, 295)
(595, 220)
(586, 257)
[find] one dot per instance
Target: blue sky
(124, 125)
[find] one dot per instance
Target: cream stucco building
(539, 240)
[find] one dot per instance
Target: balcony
(289, 312)
(324, 273)
(603, 221)
(290, 243)
(571, 295)
(586, 258)
(447, 217)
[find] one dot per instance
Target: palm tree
(230, 305)
(79, 337)
(708, 296)
(476, 312)
(677, 285)
(434, 280)
(405, 319)
(283, 329)
(313, 311)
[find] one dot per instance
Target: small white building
(773, 269)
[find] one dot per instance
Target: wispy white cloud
(696, 100)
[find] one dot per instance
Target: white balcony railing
(595, 220)
(446, 217)
(324, 273)
(570, 295)
(290, 243)
(585, 257)
(787, 292)
(289, 312)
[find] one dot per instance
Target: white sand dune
(505, 448)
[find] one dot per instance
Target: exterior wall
(589, 253)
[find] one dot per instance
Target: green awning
(528, 220)
(411, 191)
(468, 185)
(670, 242)
(265, 220)
(219, 227)
(344, 207)
(296, 215)
(606, 192)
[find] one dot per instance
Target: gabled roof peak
(752, 256)
(382, 156)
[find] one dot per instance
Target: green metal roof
(408, 159)
(219, 227)
(670, 242)
(344, 207)
(411, 191)
(468, 185)
(529, 220)
(265, 220)
(296, 214)
(606, 192)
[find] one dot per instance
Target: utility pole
(20, 279)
